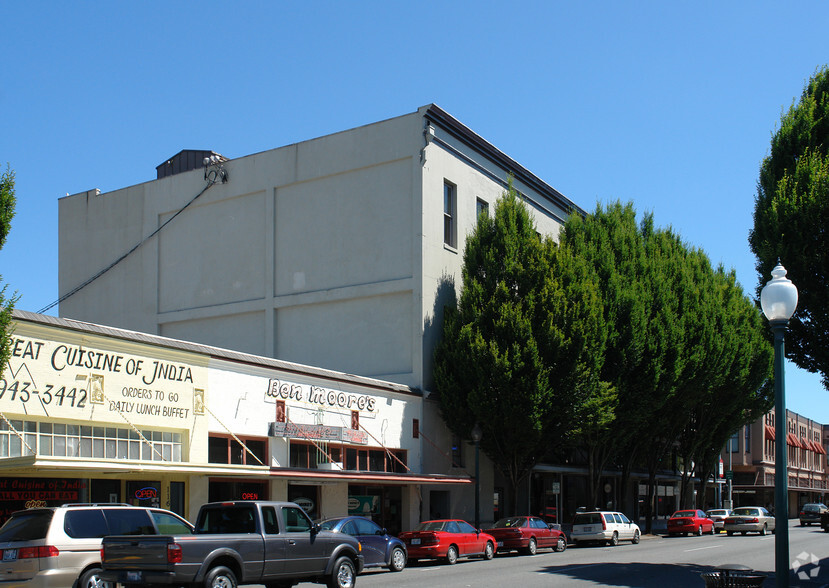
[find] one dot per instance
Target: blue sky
(670, 105)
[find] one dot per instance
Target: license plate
(500, 544)
(415, 541)
(588, 529)
(134, 576)
(9, 555)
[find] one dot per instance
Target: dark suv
(55, 547)
(810, 513)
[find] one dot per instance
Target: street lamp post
(476, 438)
(778, 299)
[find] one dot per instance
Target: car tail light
(604, 524)
(39, 551)
(173, 553)
(802, 513)
(431, 539)
(754, 520)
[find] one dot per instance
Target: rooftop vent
(185, 160)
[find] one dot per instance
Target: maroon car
(526, 534)
(690, 521)
(447, 539)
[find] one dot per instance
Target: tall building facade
(338, 252)
(750, 454)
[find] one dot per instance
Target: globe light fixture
(778, 299)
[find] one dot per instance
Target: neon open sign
(145, 493)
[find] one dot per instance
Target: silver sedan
(749, 519)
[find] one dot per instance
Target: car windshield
(685, 513)
(743, 512)
(26, 526)
(431, 526)
(511, 522)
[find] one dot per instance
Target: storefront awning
(769, 432)
(364, 477)
(40, 464)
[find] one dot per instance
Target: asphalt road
(657, 562)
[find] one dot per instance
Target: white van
(605, 527)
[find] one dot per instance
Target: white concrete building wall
(328, 252)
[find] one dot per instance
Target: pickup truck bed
(236, 543)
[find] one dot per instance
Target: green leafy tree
(736, 389)
(609, 243)
(791, 214)
(503, 361)
(7, 206)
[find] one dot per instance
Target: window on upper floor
(481, 207)
(450, 230)
(734, 442)
(457, 451)
(226, 449)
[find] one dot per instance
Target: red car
(690, 521)
(449, 539)
(527, 534)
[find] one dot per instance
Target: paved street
(657, 562)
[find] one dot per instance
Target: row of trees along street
(621, 345)
(617, 346)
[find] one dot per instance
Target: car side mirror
(383, 531)
(316, 529)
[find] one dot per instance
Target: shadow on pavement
(637, 575)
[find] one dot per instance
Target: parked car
(379, 548)
(526, 534)
(718, 515)
(690, 521)
(448, 539)
(749, 519)
(810, 513)
(61, 546)
(603, 526)
(242, 542)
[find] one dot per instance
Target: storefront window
(62, 440)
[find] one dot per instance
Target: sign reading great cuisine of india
(66, 379)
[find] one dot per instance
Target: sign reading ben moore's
(68, 380)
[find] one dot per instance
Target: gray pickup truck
(235, 543)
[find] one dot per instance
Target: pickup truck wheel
(91, 579)
(220, 577)
(397, 560)
(343, 575)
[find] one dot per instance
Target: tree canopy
(503, 362)
(7, 206)
(791, 213)
(620, 337)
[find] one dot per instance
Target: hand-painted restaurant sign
(279, 390)
(318, 433)
(61, 379)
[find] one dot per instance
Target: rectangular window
(747, 447)
(734, 442)
(222, 449)
(457, 452)
(449, 210)
(415, 428)
(481, 208)
(62, 440)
